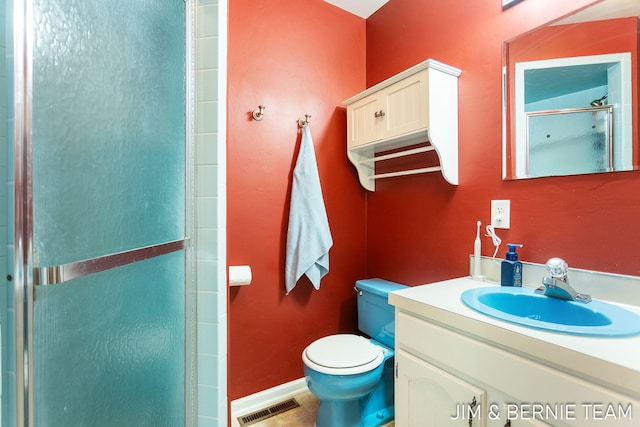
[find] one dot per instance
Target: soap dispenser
(511, 273)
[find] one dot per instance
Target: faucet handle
(557, 268)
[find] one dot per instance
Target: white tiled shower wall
(210, 158)
(4, 215)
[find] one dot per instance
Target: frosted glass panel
(108, 145)
(108, 127)
(109, 348)
(569, 143)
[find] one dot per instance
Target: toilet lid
(342, 351)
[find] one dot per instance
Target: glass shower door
(101, 182)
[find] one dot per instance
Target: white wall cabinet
(395, 111)
(439, 369)
(416, 106)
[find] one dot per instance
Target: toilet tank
(376, 317)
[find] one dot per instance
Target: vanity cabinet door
(499, 414)
(527, 423)
(427, 396)
(518, 423)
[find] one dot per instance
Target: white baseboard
(262, 399)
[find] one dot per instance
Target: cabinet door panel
(405, 106)
(499, 402)
(363, 125)
(427, 396)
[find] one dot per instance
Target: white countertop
(611, 362)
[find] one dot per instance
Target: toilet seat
(343, 354)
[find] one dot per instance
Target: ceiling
(362, 8)
(603, 10)
(607, 9)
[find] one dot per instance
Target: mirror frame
(600, 10)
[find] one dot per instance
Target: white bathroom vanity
(456, 366)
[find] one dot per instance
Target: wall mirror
(570, 94)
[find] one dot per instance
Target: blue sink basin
(524, 307)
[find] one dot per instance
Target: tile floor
(303, 416)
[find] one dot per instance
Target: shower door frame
(26, 276)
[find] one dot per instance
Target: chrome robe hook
(302, 122)
(258, 113)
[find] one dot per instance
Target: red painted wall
(419, 228)
(295, 57)
(306, 56)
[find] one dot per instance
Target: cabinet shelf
(369, 162)
(416, 106)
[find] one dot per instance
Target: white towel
(308, 235)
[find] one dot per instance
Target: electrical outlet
(501, 213)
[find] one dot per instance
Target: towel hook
(302, 122)
(258, 113)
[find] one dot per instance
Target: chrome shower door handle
(63, 273)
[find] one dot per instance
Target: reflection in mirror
(561, 127)
(583, 135)
(570, 94)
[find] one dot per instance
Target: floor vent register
(269, 412)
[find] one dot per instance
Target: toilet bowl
(343, 372)
(352, 376)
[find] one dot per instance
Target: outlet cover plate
(501, 213)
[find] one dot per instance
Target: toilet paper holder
(240, 275)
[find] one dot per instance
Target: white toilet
(352, 376)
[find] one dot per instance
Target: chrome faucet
(557, 284)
